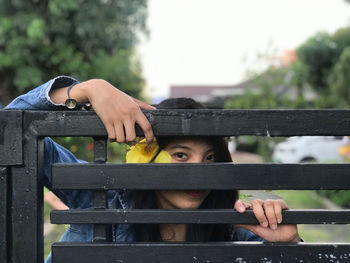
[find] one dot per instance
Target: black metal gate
(21, 212)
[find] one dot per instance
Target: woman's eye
(180, 155)
(211, 157)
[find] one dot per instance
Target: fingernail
(273, 226)
(241, 207)
(265, 224)
(279, 220)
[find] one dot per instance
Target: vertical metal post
(26, 205)
(3, 213)
(101, 232)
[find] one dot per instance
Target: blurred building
(214, 96)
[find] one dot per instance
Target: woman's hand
(269, 215)
(118, 111)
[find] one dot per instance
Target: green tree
(83, 38)
(342, 38)
(340, 78)
(318, 54)
(318, 57)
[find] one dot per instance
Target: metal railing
(21, 182)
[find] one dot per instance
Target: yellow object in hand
(141, 153)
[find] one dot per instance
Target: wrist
(296, 239)
(91, 86)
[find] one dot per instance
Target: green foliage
(84, 38)
(340, 197)
(301, 199)
(319, 54)
(324, 63)
(342, 38)
(123, 69)
(340, 77)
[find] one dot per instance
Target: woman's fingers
(118, 110)
(144, 105)
(130, 134)
(110, 132)
(241, 206)
(247, 205)
(270, 214)
(279, 205)
(278, 212)
(119, 131)
(146, 127)
(257, 206)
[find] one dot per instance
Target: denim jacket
(38, 99)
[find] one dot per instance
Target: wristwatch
(72, 103)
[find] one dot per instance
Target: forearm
(39, 99)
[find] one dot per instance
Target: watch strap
(71, 103)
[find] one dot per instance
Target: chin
(189, 200)
(180, 199)
(189, 205)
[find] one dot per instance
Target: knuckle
(147, 127)
(260, 219)
(268, 202)
(271, 216)
(277, 207)
(111, 137)
(130, 138)
(120, 140)
(255, 202)
(134, 108)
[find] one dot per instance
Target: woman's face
(186, 150)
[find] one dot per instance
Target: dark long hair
(216, 199)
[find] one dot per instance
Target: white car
(309, 149)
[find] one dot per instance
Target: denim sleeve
(242, 234)
(55, 153)
(38, 98)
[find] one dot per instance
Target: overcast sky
(217, 41)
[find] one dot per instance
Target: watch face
(71, 103)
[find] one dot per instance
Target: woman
(119, 113)
(202, 150)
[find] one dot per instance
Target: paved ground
(246, 157)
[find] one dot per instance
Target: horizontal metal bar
(226, 252)
(222, 176)
(218, 216)
(203, 122)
